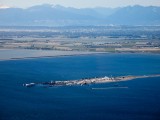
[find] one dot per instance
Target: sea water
(133, 100)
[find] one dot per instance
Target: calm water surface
(139, 100)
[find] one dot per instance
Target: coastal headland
(88, 81)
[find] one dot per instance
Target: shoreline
(33, 54)
(22, 54)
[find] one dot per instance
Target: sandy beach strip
(15, 54)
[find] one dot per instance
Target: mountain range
(49, 15)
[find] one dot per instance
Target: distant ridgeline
(49, 15)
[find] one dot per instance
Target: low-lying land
(14, 54)
(83, 39)
(88, 81)
(99, 44)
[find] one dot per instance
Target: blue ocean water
(139, 100)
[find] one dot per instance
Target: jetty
(88, 81)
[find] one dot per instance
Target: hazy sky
(80, 3)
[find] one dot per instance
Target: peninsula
(88, 81)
